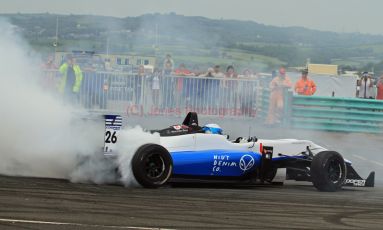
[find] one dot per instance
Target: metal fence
(158, 94)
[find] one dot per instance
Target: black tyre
(269, 176)
(152, 165)
(328, 171)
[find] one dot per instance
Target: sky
(362, 16)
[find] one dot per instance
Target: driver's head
(212, 129)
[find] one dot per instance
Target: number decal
(114, 137)
(110, 138)
(107, 134)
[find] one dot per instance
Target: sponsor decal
(222, 161)
(246, 162)
(357, 183)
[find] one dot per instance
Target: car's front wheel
(152, 165)
(328, 171)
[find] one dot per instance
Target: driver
(212, 129)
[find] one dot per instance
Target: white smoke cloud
(42, 137)
(33, 125)
(130, 140)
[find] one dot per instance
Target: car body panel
(202, 154)
(215, 162)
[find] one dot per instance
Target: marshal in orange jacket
(305, 87)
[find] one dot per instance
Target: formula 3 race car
(188, 152)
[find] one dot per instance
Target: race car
(189, 152)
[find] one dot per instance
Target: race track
(30, 203)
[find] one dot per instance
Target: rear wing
(113, 124)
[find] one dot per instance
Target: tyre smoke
(42, 137)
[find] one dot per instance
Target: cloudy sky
(335, 15)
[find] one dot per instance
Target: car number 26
(110, 137)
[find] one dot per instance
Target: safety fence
(158, 94)
(336, 114)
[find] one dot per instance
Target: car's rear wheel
(152, 165)
(328, 171)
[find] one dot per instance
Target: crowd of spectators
(168, 86)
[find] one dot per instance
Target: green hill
(197, 39)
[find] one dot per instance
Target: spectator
(156, 88)
(182, 71)
(49, 80)
(366, 86)
(71, 79)
(379, 87)
(214, 85)
(231, 87)
(202, 86)
(247, 73)
(179, 90)
(247, 93)
(139, 79)
(217, 72)
(95, 86)
(168, 83)
(209, 73)
(305, 86)
(277, 88)
(230, 73)
(50, 64)
(168, 64)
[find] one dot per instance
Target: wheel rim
(154, 166)
(335, 171)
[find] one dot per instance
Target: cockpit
(190, 125)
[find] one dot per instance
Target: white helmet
(212, 128)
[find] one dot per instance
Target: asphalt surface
(32, 203)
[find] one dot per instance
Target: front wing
(353, 179)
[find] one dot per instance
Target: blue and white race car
(189, 152)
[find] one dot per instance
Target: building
(323, 69)
(121, 62)
(126, 59)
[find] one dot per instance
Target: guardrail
(336, 114)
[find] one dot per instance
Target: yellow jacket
(77, 71)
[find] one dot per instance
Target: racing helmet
(212, 128)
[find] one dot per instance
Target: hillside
(198, 39)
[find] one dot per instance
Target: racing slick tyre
(328, 171)
(152, 165)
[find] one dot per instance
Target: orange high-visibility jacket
(305, 87)
(379, 87)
